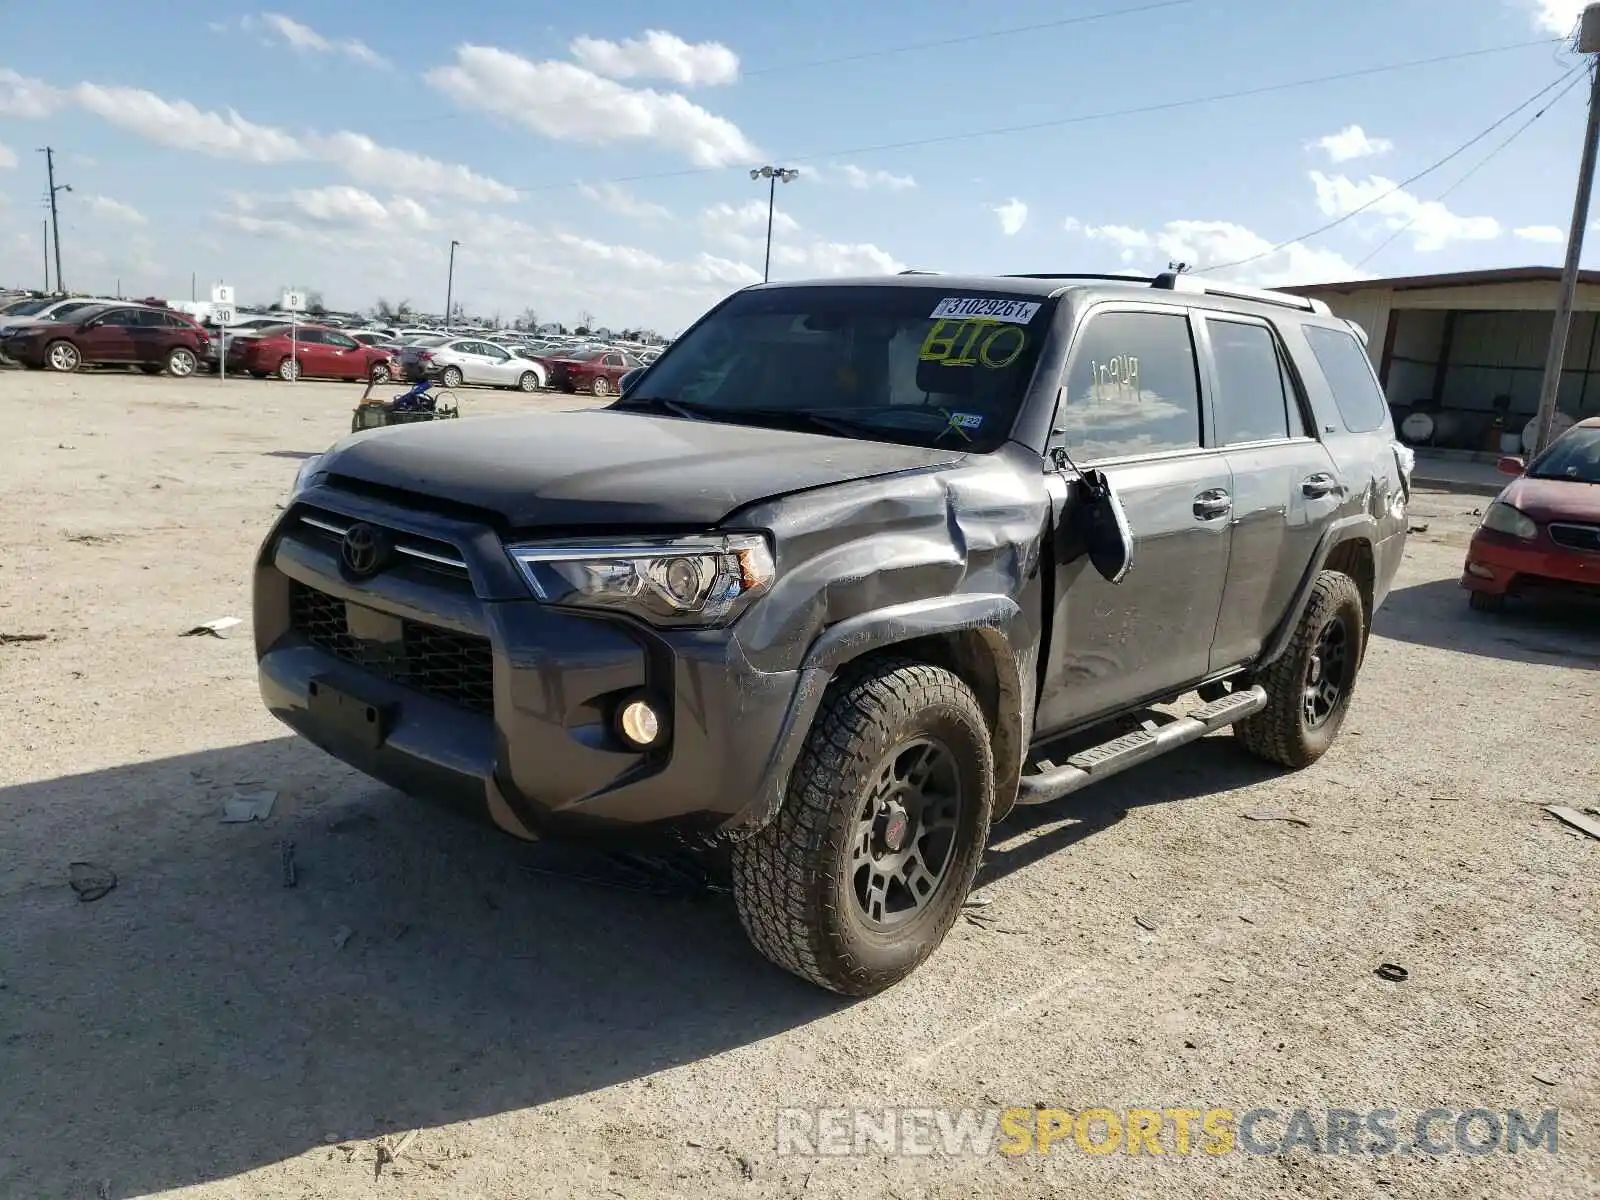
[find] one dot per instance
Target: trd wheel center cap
(894, 823)
(1316, 669)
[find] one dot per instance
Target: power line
(981, 36)
(1482, 163)
(1403, 184)
(1080, 119)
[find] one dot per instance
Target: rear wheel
(1310, 685)
(62, 356)
(288, 370)
(182, 363)
(601, 386)
(863, 871)
(450, 378)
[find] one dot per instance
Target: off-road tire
(791, 881)
(1486, 602)
(1280, 733)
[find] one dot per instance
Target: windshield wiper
(678, 408)
(804, 419)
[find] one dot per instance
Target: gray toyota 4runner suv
(853, 570)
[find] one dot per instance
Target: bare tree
(586, 319)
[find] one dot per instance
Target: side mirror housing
(1511, 464)
(628, 379)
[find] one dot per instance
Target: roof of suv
(1047, 284)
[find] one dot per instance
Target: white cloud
(1013, 216)
(745, 229)
(570, 103)
(8, 157)
(365, 161)
(863, 179)
(1559, 17)
(308, 41)
(1205, 242)
(1352, 142)
(728, 222)
(114, 210)
(179, 123)
(851, 258)
(659, 55)
(713, 269)
(1429, 223)
(1547, 234)
(28, 98)
(622, 202)
(342, 204)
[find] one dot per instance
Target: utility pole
(1588, 43)
(46, 225)
(55, 222)
(450, 284)
(774, 176)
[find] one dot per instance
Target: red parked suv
(155, 339)
(310, 352)
(1541, 536)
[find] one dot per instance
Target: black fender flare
(1360, 527)
(993, 617)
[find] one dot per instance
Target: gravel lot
(200, 1031)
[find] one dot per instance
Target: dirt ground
(205, 1031)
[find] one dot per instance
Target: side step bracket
(1131, 749)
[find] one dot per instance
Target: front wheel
(451, 378)
(1310, 685)
(601, 386)
(1486, 602)
(529, 382)
(863, 871)
(288, 370)
(62, 356)
(379, 373)
(182, 363)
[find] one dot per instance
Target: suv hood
(610, 468)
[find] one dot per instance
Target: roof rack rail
(1147, 279)
(1173, 281)
(914, 271)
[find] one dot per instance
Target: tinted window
(343, 341)
(1132, 388)
(124, 317)
(1349, 374)
(1252, 394)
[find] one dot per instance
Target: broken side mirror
(1510, 464)
(1098, 526)
(629, 378)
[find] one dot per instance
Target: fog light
(1479, 570)
(639, 723)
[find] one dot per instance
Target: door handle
(1212, 504)
(1314, 487)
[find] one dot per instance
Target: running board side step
(1110, 758)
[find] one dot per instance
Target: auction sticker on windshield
(989, 308)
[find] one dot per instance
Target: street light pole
(450, 284)
(46, 225)
(1588, 43)
(773, 176)
(55, 223)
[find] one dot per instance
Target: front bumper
(493, 701)
(1503, 565)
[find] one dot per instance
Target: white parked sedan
(458, 360)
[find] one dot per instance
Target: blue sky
(595, 159)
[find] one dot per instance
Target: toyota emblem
(365, 550)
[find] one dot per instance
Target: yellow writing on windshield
(972, 342)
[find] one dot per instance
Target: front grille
(427, 553)
(457, 668)
(1576, 537)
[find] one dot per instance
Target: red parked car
(312, 352)
(156, 339)
(1541, 535)
(594, 371)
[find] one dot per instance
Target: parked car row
(63, 335)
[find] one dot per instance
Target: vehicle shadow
(204, 1019)
(1436, 614)
(1209, 767)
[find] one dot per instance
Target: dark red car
(155, 339)
(594, 371)
(1541, 535)
(308, 352)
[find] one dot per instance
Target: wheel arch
(972, 636)
(1349, 547)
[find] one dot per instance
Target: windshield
(30, 308)
(900, 364)
(1575, 455)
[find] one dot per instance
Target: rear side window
(1349, 373)
(1132, 388)
(1253, 394)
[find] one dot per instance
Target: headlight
(1502, 518)
(691, 582)
(305, 476)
